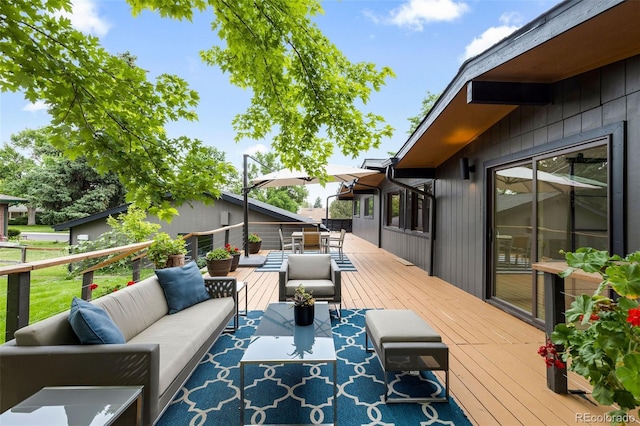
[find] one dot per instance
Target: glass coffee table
(277, 334)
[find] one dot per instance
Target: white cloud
(510, 22)
(256, 148)
(36, 106)
(414, 14)
(84, 17)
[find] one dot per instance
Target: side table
(76, 405)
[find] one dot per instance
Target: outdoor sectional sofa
(161, 350)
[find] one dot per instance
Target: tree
(303, 87)
(427, 103)
(65, 189)
(317, 204)
(341, 209)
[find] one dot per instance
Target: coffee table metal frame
(274, 337)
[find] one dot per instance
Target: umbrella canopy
(519, 179)
(286, 177)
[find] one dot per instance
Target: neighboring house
(538, 136)
(5, 201)
(198, 217)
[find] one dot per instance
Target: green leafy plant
(232, 250)
(254, 238)
(601, 335)
(13, 233)
(302, 297)
(164, 246)
(217, 254)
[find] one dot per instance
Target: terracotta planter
(304, 315)
(219, 268)
(234, 261)
(254, 247)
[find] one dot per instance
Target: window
(368, 207)
(393, 209)
(356, 208)
(420, 210)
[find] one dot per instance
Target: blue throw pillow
(183, 286)
(92, 324)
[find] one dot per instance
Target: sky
(423, 41)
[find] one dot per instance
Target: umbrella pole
(245, 193)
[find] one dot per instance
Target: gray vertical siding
(581, 105)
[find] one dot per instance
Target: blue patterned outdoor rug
(303, 393)
(274, 260)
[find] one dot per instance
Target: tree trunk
(31, 213)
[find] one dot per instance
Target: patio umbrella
(519, 179)
(286, 177)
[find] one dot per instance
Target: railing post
(226, 237)
(554, 314)
(87, 280)
(18, 288)
(192, 247)
(135, 269)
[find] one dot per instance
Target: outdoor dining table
(296, 237)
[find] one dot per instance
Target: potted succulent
(303, 306)
(600, 339)
(255, 242)
(235, 253)
(166, 252)
(218, 262)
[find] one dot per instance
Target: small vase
(219, 268)
(234, 262)
(175, 260)
(304, 315)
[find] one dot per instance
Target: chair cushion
(92, 324)
(309, 267)
(318, 288)
(183, 286)
(391, 325)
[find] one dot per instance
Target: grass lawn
(34, 228)
(51, 289)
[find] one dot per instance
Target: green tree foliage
(341, 209)
(116, 115)
(63, 188)
(318, 203)
(427, 103)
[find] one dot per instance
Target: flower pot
(254, 247)
(175, 260)
(234, 261)
(303, 315)
(219, 268)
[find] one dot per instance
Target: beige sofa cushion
(181, 333)
(54, 330)
(309, 267)
(390, 325)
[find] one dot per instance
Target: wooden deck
(497, 377)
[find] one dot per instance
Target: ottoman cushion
(399, 326)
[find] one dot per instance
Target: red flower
(93, 286)
(550, 355)
(633, 317)
(130, 283)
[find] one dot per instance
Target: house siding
(581, 104)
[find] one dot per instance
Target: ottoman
(405, 342)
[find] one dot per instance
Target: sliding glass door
(542, 206)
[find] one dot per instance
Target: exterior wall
(581, 105)
(367, 228)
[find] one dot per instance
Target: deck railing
(198, 243)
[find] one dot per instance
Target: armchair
(316, 272)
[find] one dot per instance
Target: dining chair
(336, 243)
(284, 246)
(311, 241)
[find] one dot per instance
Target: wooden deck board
(496, 375)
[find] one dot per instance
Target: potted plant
(166, 252)
(303, 306)
(600, 339)
(255, 242)
(218, 262)
(235, 253)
